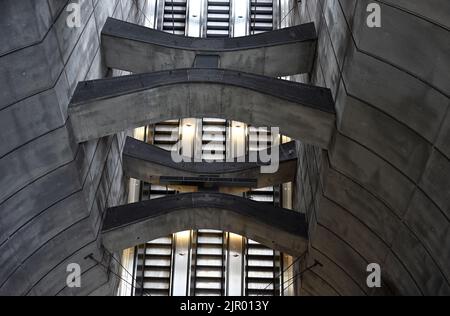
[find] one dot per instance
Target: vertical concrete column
(159, 14)
(151, 11)
(181, 263)
(194, 18)
(276, 14)
(235, 272)
(189, 136)
(240, 18)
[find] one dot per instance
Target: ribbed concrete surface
(53, 191)
(382, 193)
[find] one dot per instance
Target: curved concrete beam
(129, 225)
(154, 165)
(278, 53)
(104, 107)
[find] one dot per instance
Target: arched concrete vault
(139, 49)
(381, 194)
(154, 165)
(383, 188)
(104, 107)
(129, 225)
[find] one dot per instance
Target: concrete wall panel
(54, 191)
(435, 182)
(408, 42)
(390, 139)
(30, 70)
(17, 16)
(388, 164)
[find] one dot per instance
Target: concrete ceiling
(381, 193)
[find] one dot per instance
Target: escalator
(214, 139)
(174, 20)
(261, 16)
(218, 21)
(209, 266)
(153, 273)
(262, 270)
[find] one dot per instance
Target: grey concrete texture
(34, 160)
(21, 69)
(386, 173)
(79, 235)
(405, 149)
(278, 53)
(34, 116)
(442, 142)
(332, 274)
(47, 258)
(104, 107)
(129, 225)
(435, 182)
(434, 11)
(314, 285)
(372, 172)
(54, 190)
(416, 45)
(37, 21)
